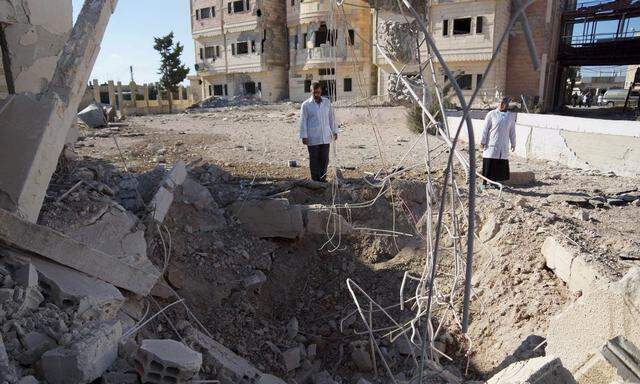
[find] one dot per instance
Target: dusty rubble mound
(244, 280)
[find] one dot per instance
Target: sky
(128, 40)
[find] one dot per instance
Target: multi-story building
(467, 33)
(326, 44)
(240, 48)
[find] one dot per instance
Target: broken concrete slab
(35, 344)
(321, 220)
(607, 311)
(291, 358)
(7, 370)
(27, 161)
(53, 245)
(93, 299)
(573, 266)
(93, 116)
(113, 231)
(26, 276)
(270, 217)
(120, 378)
(618, 361)
(255, 280)
(229, 365)
(87, 358)
(521, 178)
(489, 229)
(163, 198)
(361, 356)
(166, 361)
(539, 370)
(196, 194)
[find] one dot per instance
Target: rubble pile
(221, 102)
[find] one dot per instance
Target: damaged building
(240, 48)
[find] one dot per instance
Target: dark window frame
(218, 90)
(347, 84)
(242, 48)
(460, 26)
(445, 27)
(205, 13)
(307, 86)
(479, 24)
(465, 81)
(210, 52)
(352, 36)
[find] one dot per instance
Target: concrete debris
(539, 370)
(255, 280)
(361, 355)
(323, 377)
(618, 361)
(7, 371)
(292, 328)
(166, 361)
(607, 311)
(110, 113)
(270, 218)
(521, 178)
(35, 344)
(26, 276)
(199, 196)
(29, 298)
(229, 365)
(93, 299)
(28, 380)
(87, 358)
(320, 220)
(582, 215)
(397, 40)
(489, 229)
(55, 246)
(120, 378)
(572, 266)
(291, 358)
(163, 198)
(93, 116)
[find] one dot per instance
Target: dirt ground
(514, 293)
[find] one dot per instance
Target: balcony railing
(577, 41)
(323, 54)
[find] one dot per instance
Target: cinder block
(539, 370)
(166, 362)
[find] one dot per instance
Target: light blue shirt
(317, 123)
(499, 130)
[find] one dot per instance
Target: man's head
(316, 90)
(504, 104)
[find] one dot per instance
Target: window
(250, 88)
(347, 84)
(210, 91)
(307, 86)
(218, 90)
(295, 42)
(260, 86)
(324, 36)
(293, 3)
(210, 52)
(217, 51)
(478, 80)
(242, 48)
(201, 53)
(253, 46)
(238, 6)
(352, 37)
(445, 28)
(304, 41)
(213, 11)
(197, 14)
(479, 24)
(464, 81)
(326, 71)
(205, 13)
(225, 90)
(462, 26)
(229, 7)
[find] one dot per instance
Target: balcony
(211, 66)
(306, 12)
(322, 55)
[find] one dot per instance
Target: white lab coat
(317, 123)
(499, 130)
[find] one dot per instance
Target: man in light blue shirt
(318, 129)
(498, 136)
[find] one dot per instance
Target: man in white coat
(318, 129)
(499, 131)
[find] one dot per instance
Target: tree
(171, 68)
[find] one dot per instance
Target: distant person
(574, 99)
(600, 100)
(317, 130)
(585, 98)
(499, 130)
(589, 99)
(580, 99)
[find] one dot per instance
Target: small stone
(582, 214)
(255, 280)
(291, 358)
(292, 328)
(361, 356)
(28, 380)
(26, 276)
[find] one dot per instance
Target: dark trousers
(318, 161)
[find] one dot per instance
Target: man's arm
(303, 124)
(485, 131)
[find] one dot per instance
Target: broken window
(346, 86)
(242, 48)
(324, 36)
(250, 88)
(479, 24)
(326, 71)
(205, 13)
(307, 86)
(462, 26)
(218, 90)
(464, 81)
(352, 37)
(445, 28)
(210, 52)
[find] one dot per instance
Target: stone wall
(604, 145)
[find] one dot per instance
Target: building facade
(240, 48)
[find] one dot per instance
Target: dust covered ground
(514, 293)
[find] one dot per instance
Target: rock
(323, 377)
(489, 229)
(614, 202)
(291, 358)
(574, 199)
(361, 356)
(582, 214)
(521, 178)
(320, 220)
(28, 380)
(29, 298)
(163, 198)
(539, 370)
(196, 194)
(255, 280)
(166, 361)
(607, 311)
(93, 116)
(26, 276)
(85, 359)
(36, 344)
(615, 362)
(110, 113)
(270, 217)
(92, 298)
(120, 378)
(292, 328)
(7, 371)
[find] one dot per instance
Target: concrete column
(159, 92)
(112, 93)
(181, 92)
(27, 161)
(145, 91)
(96, 91)
(120, 98)
(134, 93)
